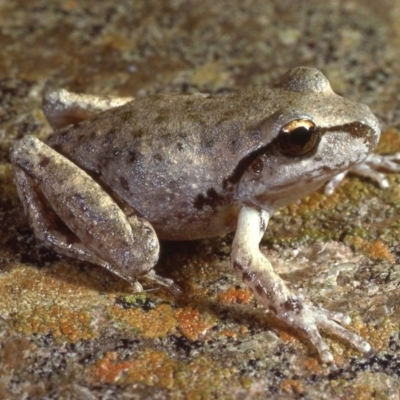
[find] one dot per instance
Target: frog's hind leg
(63, 108)
(98, 231)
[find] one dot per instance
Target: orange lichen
(244, 329)
(233, 295)
(155, 368)
(312, 364)
(228, 333)
(108, 370)
(70, 5)
(380, 251)
(191, 323)
(358, 243)
(376, 251)
(293, 386)
(149, 367)
(287, 337)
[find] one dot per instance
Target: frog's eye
(298, 138)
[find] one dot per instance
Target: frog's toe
(374, 166)
(368, 170)
(338, 317)
(309, 320)
(168, 283)
(332, 327)
(137, 287)
(315, 338)
(334, 182)
(385, 162)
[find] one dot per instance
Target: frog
(119, 174)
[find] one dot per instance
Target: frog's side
(192, 166)
(187, 153)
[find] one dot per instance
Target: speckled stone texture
(72, 331)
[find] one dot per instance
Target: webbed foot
(308, 319)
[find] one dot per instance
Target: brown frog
(120, 173)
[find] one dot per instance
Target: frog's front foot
(258, 274)
(370, 168)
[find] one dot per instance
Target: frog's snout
(375, 130)
(374, 135)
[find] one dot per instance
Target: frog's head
(314, 134)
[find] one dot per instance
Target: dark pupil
(300, 136)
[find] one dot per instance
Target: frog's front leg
(257, 272)
(63, 108)
(98, 230)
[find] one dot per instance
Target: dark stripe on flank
(243, 165)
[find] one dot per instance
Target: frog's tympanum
(120, 173)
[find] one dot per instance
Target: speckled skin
(184, 152)
(192, 166)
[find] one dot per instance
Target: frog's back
(181, 152)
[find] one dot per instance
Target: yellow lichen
(153, 323)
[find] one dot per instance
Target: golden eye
(298, 138)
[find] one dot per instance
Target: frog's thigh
(43, 222)
(101, 232)
(63, 108)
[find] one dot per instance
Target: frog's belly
(209, 223)
(180, 213)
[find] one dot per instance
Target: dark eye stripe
(355, 129)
